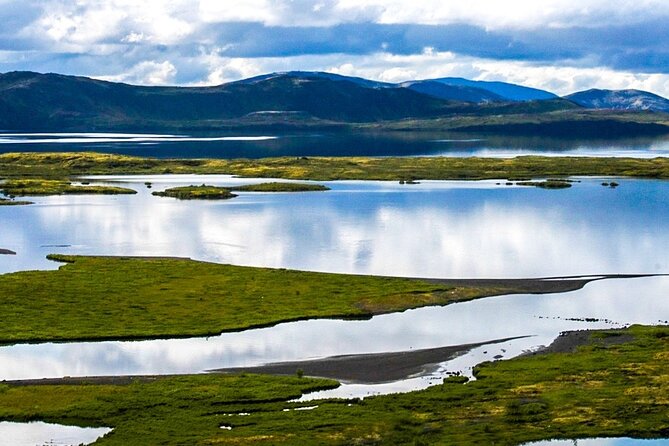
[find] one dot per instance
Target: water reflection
(37, 433)
(438, 229)
(612, 303)
(368, 143)
(602, 442)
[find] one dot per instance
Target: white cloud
(146, 73)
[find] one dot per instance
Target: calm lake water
(328, 144)
(433, 229)
(31, 434)
(602, 442)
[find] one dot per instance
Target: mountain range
(32, 101)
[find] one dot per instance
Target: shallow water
(602, 442)
(37, 433)
(613, 303)
(224, 145)
(433, 229)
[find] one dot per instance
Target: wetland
(452, 279)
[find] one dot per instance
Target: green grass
(35, 187)
(196, 193)
(121, 298)
(281, 187)
(6, 202)
(548, 184)
(604, 389)
(205, 192)
(65, 165)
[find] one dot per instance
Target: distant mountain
(318, 75)
(295, 101)
(452, 92)
(31, 101)
(508, 92)
(620, 100)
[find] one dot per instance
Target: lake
(217, 145)
(445, 229)
(442, 229)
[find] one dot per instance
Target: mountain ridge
(288, 100)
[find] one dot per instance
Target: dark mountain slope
(30, 101)
(452, 92)
(637, 100)
(509, 92)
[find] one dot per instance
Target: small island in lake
(205, 192)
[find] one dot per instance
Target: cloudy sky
(559, 45)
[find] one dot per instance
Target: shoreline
(367, 368)
(371, 368)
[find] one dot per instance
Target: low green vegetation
(548, 184)
(66, 165)
(121, 298)
(6, 202)
(35, 187)
(281, 187)
(196, 193)
(615, 385)
(205, 192)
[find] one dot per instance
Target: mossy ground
(202, 192)
(6, 202)
(35, 187)
(116, 297)
(281, 187)
(63, 165)
(603, 389)
(206, 192)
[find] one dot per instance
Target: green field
(66, 165)
(35, 187)
(205, 192)
(123, 298)
(617, 385)
(196, 193)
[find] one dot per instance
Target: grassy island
(36, 187)
(548, 184)
(614, 385)
(6, 202)
(205, 192)
(66, 165)
(281, 187)
(196, 193)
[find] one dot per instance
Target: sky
(558, 45)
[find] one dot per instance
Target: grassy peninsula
(122, 298)
(615, 385)
(67, 165)
(196, 193)
(35, 187)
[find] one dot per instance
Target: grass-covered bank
(206, 192)
(616, 385)
(64, 165)
(121, 298)
(35, 187)
(203, 192)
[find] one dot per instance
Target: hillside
(507, 91)
(636, 100)
(295, 101)
(42, 101)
